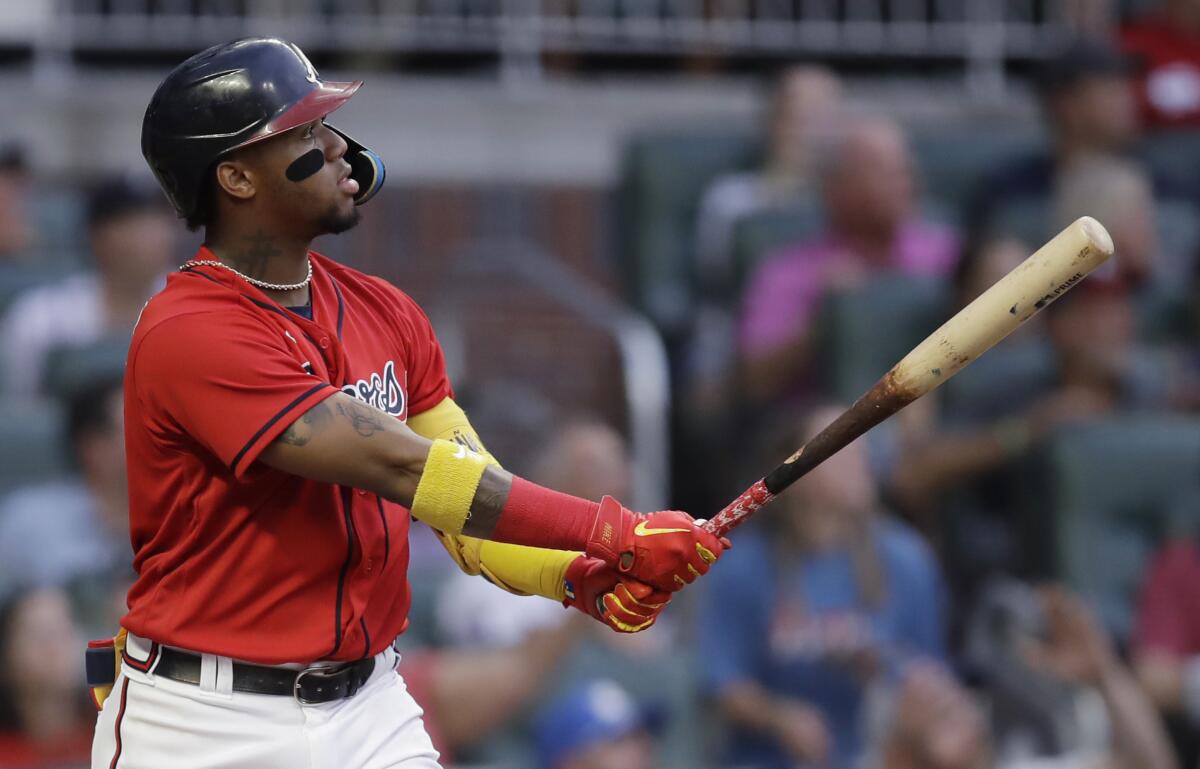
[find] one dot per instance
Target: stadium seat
(756, 236)
(852, 352)
(952, 158)
(1029, 219)
(59, 215)
(1102, 497)
(69, 370)
(21, 276)
(1164, 310)
(1009, 374)
(664, 175)
(31, 443)
(1172, 157)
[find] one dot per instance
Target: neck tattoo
(260, 247)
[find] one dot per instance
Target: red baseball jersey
(234, 557)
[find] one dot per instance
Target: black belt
(310, 686)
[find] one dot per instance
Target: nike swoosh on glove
(665, 550)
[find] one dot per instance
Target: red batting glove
(599, 591)
(666, 550)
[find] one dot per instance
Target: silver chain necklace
(250, 280)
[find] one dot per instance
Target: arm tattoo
(366, 420)
(300, 432)
(490, 498)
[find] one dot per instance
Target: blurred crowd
(1006, 575)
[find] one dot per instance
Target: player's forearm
(749, 705)
(503, 508)
(924, 470)
(1138, 735)
(766, 375)
(343, 441)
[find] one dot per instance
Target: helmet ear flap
(366, 167)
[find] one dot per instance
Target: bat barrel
(1041, 279)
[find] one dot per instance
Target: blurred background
(663, 242)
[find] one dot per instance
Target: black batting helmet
(232, 95)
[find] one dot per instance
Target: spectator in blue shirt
(825, 596)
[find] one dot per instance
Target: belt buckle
(315, 670)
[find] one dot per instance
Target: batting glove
(665, 550)
(602, 593)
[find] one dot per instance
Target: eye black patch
(305, 166)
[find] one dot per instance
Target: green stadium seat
(70, 370)
(59, 214)
(1164, 312)
(852, 352)
(757, 235)
(1011, 373)
(1029, 219)
(32, 443)
(1103, 496)
(22, 276)
(1172, 157)
(664, 175)
(952, 158)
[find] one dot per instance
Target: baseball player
(286, 417)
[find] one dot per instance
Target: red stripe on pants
(117, 728)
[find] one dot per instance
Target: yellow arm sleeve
(515, 568)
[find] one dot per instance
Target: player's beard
(335, 222)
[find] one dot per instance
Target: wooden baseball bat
(1052, 271)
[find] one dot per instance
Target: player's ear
(236, 179)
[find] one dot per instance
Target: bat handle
(739, 509)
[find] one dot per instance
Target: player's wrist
(610, 536)
(536, 516)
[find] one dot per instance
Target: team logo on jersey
(383, 391)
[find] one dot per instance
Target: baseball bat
(1042, 278)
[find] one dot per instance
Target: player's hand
(666, 550)
(601, 592)
(802, 732)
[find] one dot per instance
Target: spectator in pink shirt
(1166, 641)
(868, 192)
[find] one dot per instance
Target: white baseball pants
(153, 723)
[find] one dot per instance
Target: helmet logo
(310, 73)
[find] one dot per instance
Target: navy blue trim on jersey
(341, 307)
(304, 311)
(347, 502)
(387, 537)
(279, 311)
(271, 422)
(267, 305)
(362, 623)
(117, 727)
(192, 271)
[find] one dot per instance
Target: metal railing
(982, 34)
(477, 308)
